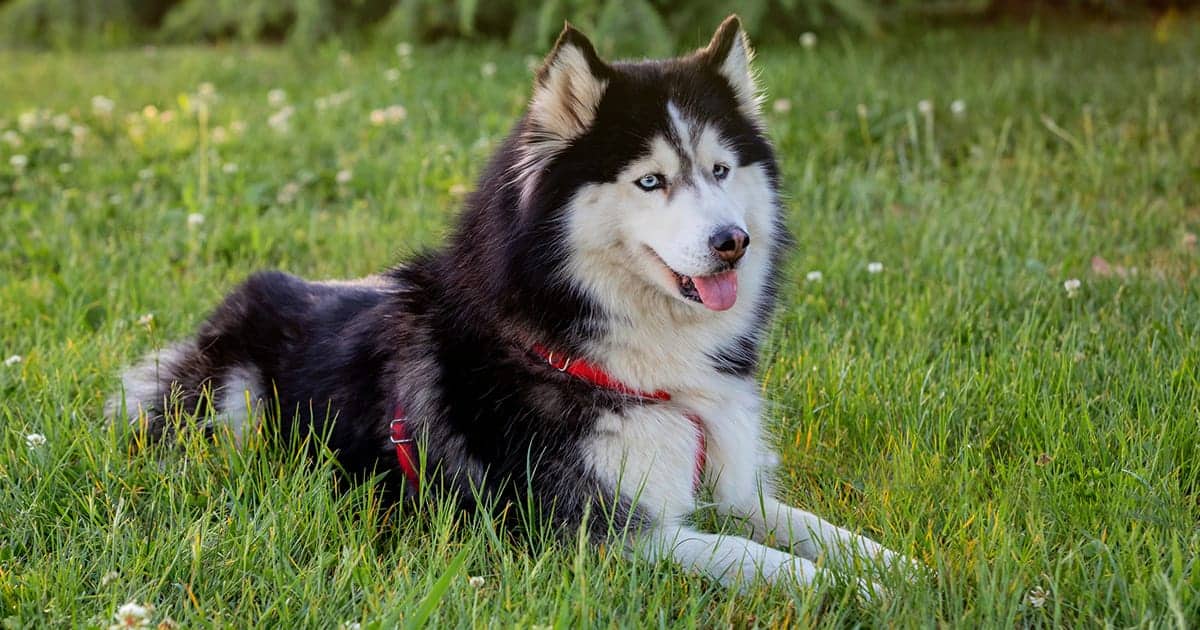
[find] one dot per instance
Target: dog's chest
(650, 453)
(657, 453)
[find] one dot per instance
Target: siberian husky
(587, 340)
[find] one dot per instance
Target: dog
(585, 344)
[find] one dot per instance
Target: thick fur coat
(631, 220)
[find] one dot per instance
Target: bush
(620, 26)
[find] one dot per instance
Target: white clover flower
(146, 320)
(132, 615)
(958, 107)
(332, 100)
(12, 360)
(281, 121)
(344, 176)
(378, 117)
(18, 162)
(1072, 287)
(229, 168)
(808, 40)
(276, 97)
(220, 135)
(457, 190)
(925, 107)
(109, 577)
(862, 110)
(207, 92)
(1036, 597)
(532, 63)
(476, 581)
(396, 113)
(65, 167)
(61, 122)
(391, 75)
(34, 440)
(102, 105)
(238, 127)
(814, 276)
(404, 49)
(150, 112)
(196, 219)
(488, 70)
(287, 194)
(874, 267)
(27, 121)
(145, 174)
(782, 105)
(12, 138)
(351, 625)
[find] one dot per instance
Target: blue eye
(653, 181)
(720, 171)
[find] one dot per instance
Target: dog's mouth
(717, 292)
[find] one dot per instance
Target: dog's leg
(727, 559)
(811, 536)
(739, 468)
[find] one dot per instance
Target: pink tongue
(718, 291)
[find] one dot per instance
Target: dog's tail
(215, 376)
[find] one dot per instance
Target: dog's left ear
(730, 53)
(568, 88)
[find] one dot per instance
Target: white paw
(871, 592)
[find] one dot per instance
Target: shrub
(631, 26)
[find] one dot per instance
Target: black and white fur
(561, 245)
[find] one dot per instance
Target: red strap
(594, 374)
(406, 448)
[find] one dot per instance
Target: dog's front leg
(727, 559)
(738, 466)
(811, 536)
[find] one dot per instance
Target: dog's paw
(871, 592)
(891, 563)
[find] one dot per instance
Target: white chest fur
(648, 452)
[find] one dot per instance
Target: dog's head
(658, 169)
(630, 190)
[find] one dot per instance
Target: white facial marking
(620, 236)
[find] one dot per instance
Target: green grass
(960, 406)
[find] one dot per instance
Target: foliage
(1037, 447)
(624, 26)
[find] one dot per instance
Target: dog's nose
(729, 243)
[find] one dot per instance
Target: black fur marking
(739, 358)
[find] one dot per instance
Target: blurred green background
(648, 27)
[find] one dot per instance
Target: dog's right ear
(568, 88)
(730, 53)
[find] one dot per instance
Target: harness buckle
(566, 362)
(397, 427)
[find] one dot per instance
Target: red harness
(579, 368)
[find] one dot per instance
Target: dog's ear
(568, 87)
(730, 53)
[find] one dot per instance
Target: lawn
(1011, 396)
